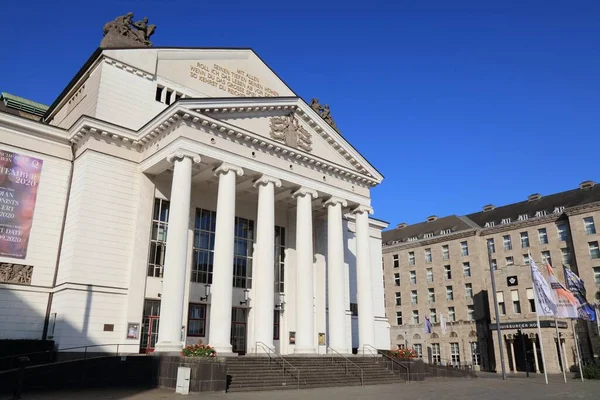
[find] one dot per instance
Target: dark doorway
(523, 352)
(238, 330)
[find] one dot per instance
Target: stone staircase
(251, 373)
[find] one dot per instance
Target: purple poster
(19, 182)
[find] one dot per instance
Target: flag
(566, 303)
(427, 325)
(576, 286)
(545, 306)
(443, 324)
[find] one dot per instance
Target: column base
(168, 347)
(300, 350)
(222, 349)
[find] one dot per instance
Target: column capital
(265, 180)
(304, 191)
(225, 168)
(333, 201)
(181, 153)
(362, 209)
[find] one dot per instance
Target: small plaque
(512, 281)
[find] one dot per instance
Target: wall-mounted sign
(133, 330)
(321, 339)
(528, 325)
(512, 281)
(292, 337)
(19, 182)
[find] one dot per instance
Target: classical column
(512, 355)
(535, 358)
(263, 281)
(219, 335)
(366, 332)
(335, 275)
(173, 287)
(305, 292)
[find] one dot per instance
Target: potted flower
(404, 354)
(198, 350)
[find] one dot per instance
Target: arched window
(435, 336)
(417, 336)
(453, 334)
(399, 337)
(473, 334)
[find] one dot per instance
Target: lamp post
(206, 293)
(496, 312)
(246, 299)
(281, 305)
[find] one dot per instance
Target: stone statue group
(324, 112)
(124, 32)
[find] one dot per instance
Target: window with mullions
(279, 259)
(204, 246)
(158, 241)
(242, 253)
(276, 324)
(197, 320)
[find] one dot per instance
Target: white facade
(190, 132)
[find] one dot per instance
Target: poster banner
(19, 182)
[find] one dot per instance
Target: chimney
(586, 185)
(534, 197)
(402, 225)
(432, 218)
(489, 207)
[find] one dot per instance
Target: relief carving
(287, 129)
(16, 273)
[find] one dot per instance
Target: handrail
(95, 345)
(391, 359)
(284, 361)
(347, 360)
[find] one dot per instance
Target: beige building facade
(441, 268)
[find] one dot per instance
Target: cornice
(429, 241)
(581, 209)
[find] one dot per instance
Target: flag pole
(497, 314)
(539, 329)
(560, 353)
(577, 349)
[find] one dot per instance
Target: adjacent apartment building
(441, 267)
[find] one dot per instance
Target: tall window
(433, 315)
(501, 306)
(565, 255)
(397, 279)
(446, 252)
(415, 317)
(431, 295)
(242, 253)
(411, 258)
(197, 320)
(514, 294)
(543, 236)
(414, 299)
(590, 228)
(276, 324)
(398, 298)
(428, 256)
(204, 246)
(396, 261)
(507, 242)
(597, 275)
(524, 240)
(158, 241)
(594, 250)
(546, 257)
(447, 272)
(531, 300)
(464, 248)
(455, 354)
(525, 259)
(494, 265)
(449, 293)
(470, 313)
(466, 269)
(418, 349)
(429, 275)
(475, 354)
(398, 317)
(563, 234)
(491, 246)
(451, 314)
(279, 259)
(413, 277)
(468, 290)
(510, 261)
(436, 355)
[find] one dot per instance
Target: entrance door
(238, 330)
(150, 321)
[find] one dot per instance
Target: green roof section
(22, 104)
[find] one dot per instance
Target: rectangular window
(428, 256)
(494, 265)
(594, 250)
(204, 246)
(514, 294)
(546, 257)
(467, 269)
(562, 231)
(510, 261)
(451, 314)
(543, 236)
(158, 240)
(468, 290)
(411, 258)
(197, 320)
(470, 313)
(446, 252)
(507, 242)
(447, 272)
(280, 259)
(398, 317)
(415, 317)
(158, 95)
(597, 275)
(429, 275)
(501, 306)
(398, 298)
(396, 261)
(565, 255)
(455, 354)
(413, 277)
(590, 227)
(354, 309)
(414, 297)
(431, 295)
(436, 355)
(464, 248)
(397, 279)
(475, 354)
(418, 348)
(276, 324)
(449, 293)
(524, 240)
(491, 246)
(531, 300)
(433, 315)
(242, 253)
(525, 259)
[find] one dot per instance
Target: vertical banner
(19, 182)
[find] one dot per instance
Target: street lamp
(281, 305)
(496, 312)
(206, 293)
(246, 299)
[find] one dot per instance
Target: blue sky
(459, 104)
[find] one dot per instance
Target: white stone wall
(22, 312)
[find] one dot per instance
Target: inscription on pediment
(288, 130)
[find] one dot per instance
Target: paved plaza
(488, 388)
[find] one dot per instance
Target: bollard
(23, 361)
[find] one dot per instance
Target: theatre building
(171, 195)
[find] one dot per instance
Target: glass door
(238, 330)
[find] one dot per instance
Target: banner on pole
(443, 324)
(576, 286)
(427, 324)
(566, 303)
(545, 306)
